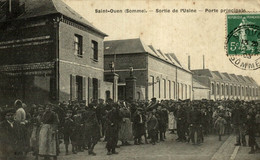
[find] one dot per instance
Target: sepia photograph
(129, 79)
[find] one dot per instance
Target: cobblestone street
(211, 149)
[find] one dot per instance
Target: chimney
(13, 9)
(189, 62)
(203, 61)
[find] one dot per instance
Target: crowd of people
(41, 129)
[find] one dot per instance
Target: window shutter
(84, 88)
(72, 87)
(90, 90)
(99, 93)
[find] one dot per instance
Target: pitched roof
(227, 75)
(125, 46)
(216, 75)
(203, 72)
(197, 84)
(37, 8)
(242, 78)
(174, 57)
(155, 51)
(136, 45)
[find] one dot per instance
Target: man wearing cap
(69, 132)
(138, 126)
(113, 119)
(92, 132)
(238, 118)
(181, 120)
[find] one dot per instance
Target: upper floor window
(94, 47)
(78, 45)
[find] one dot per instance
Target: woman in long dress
(36, 122)
(47, 135)
(125, 131)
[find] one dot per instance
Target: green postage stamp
(243, 32)
(243, 40)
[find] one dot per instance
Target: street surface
(211, 149)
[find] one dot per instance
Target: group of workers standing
(41, 129)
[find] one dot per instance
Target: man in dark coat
(92, 131)
(238, 118)
(10, 137)
(113, 119)
(195, 122)
(162, 121)
(181, 121)
(138, 126)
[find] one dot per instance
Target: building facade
(227, 86)
(158, 74)
(49, 53)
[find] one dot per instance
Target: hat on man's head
(18, 103)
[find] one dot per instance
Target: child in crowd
(152, 125)
(69, 129)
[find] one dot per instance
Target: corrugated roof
(37, 8)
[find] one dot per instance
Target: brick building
(226, 86)
(158, 74)
(49, 53)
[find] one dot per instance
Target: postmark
(243, 40)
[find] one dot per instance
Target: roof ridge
(120, 39)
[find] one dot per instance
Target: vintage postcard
(130, 79)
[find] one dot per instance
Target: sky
(185, 34)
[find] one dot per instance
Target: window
(235, 90)
(181, 91)
(243, 93)
(170, 89)
(227, 90)
(79, 88)
(178, 91)
(239, 91)
(94, 47)
(78, 45)
(159, 87)
(218, 89)
(212, 88)
(152, 83)
(138, 95)
(164, 88)
(223, 89)
(107, 95)
(185, 91)
(189, 92)
(231, 90)
(173, 87)
(95, 89)
(52, 88)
